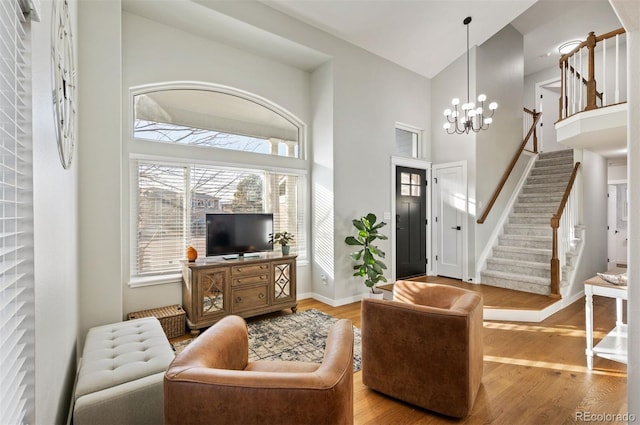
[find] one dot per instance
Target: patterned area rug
(294, 337)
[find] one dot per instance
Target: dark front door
(411, 214)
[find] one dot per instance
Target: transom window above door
(410, 184)
(214, 119)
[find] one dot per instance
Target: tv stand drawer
(249, 298)
(249, 280)
(250, 269)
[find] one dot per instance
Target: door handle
(456, 228)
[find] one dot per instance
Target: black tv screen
(238, 233)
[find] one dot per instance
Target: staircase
(521, 259)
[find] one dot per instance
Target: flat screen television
(238, 233)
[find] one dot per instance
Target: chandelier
(468, 117)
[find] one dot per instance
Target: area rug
(294, 337)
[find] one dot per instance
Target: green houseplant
(367, 265)
(282, 238)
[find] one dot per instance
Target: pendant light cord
(466, 23)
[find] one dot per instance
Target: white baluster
(617, 77)
(604, 73)
(580, 83)
(573, 86)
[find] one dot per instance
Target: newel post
(555, 261)
(591, 82)
(535, 132)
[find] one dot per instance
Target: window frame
(135, 149)
(415, 130)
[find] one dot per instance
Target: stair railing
(563, 222)
(578, 93)
(532, 132)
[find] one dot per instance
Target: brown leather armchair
(212, 381)
(425, 347)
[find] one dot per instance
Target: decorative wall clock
(64, 81)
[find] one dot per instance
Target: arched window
(196, 149)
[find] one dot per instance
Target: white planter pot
(376, 295)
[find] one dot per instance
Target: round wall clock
(64, 81)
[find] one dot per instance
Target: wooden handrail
(555, 223)
(610, 34)
(514, 160)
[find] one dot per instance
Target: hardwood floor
(533, 373)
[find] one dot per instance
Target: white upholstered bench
(121, 374)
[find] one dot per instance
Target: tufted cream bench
(121, 374)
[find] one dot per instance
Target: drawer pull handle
(261, 295)
(238, 300)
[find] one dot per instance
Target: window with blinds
(16, 234)
(172, 202)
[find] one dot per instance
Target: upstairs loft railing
(563, 223)
(587, 82)
(531, 117)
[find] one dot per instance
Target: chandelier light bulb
(446, 126)
(479, 110)
(472, 112)
(447, 112)
(488, 120)
(455, 101)
(482, 98)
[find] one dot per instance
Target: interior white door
(449, 210)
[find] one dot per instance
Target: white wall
(593, 170)
(370, 96)
(55, 198)
(322, 183)
(98, 161)
(629, 14)
(617, 174)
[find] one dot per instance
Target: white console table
(614, 345)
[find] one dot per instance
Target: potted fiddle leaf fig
(282, 238)
(366, 264)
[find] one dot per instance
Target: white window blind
(16, 232)
(172, 202)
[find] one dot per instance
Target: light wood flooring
(533, 373)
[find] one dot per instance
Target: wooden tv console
(212, 289)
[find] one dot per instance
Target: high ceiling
(421, 35)
(427, 35)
